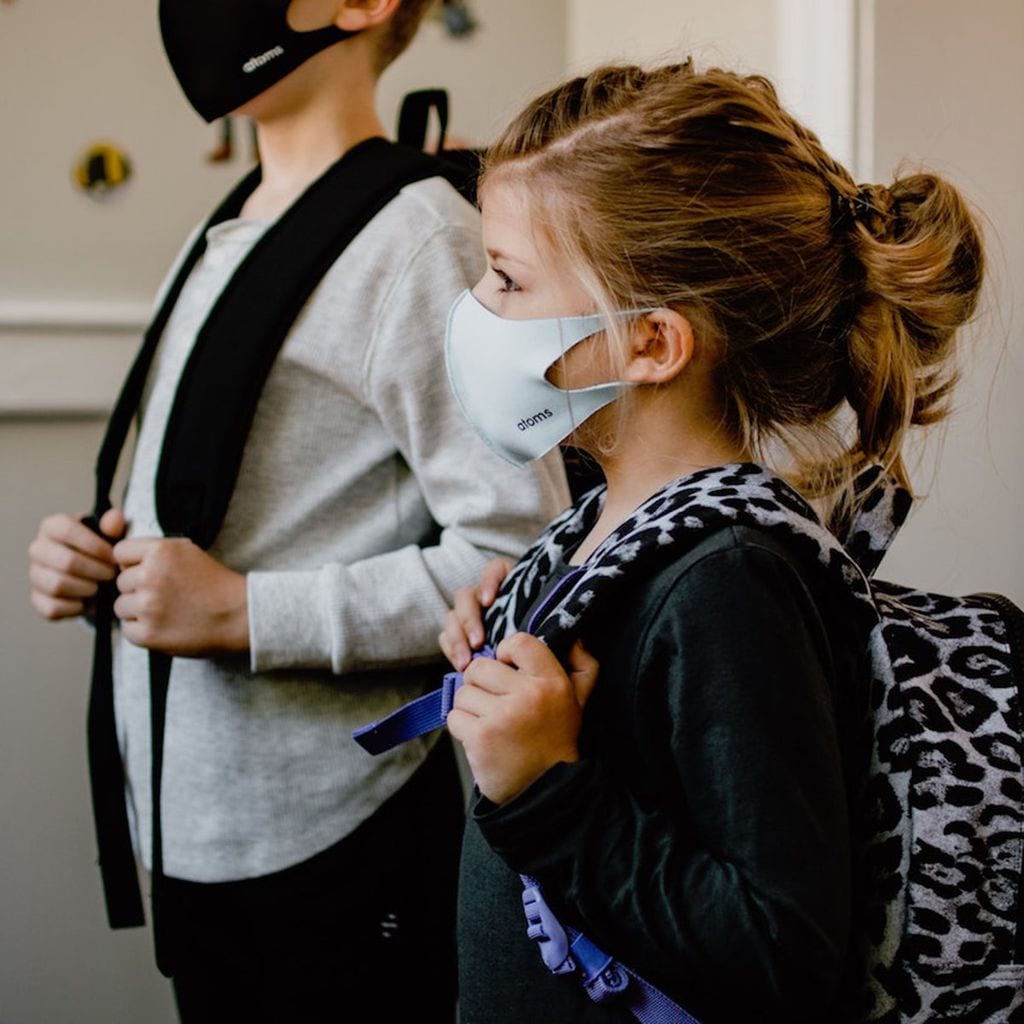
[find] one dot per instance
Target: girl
(685, 283)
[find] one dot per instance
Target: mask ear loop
(568, 399)
(623, 314)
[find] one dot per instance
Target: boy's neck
(305, 128)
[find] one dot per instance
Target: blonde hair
(698, 192)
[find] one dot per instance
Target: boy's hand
(463, 630)
(178, 600)
(519, 715)
(68, 562)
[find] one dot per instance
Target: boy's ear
(661, 347)
(350, 15)
(356, 15)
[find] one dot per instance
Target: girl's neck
(643, 462)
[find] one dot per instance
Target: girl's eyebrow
(496, 254)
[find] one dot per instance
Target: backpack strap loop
(418, 717)
(414, 117)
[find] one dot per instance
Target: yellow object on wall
(102, 168)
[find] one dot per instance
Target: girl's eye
(507, 284)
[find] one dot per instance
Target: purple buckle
(603, 978)
(608, 984)
(544, 929)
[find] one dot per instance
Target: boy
(305, 880)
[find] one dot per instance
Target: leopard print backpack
(944, 828)
(943, 819)
(945, 798)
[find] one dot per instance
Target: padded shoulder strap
(216, 398)
(222, 381)
(131, 391)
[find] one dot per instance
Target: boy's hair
(400, 30)
(698, 192)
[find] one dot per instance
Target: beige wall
(950, 96)
(733, 32)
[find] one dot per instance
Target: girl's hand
(463, 630)
(521, 714)
(68, 562)
(177, 599)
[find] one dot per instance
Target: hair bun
(921, 254)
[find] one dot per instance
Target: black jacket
(704, 838)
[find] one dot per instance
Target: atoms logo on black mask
(263, 58)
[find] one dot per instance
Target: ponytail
(922, 262)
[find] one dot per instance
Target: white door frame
(825, 53)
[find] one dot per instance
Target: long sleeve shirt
(364, 500)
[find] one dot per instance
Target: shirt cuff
(287, 624)
(532, 831)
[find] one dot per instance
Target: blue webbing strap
(423, 715)
(429, 712)
(565, 950)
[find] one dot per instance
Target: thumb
(583, 670)
(112, 523)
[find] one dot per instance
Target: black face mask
(225, 52)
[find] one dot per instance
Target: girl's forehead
(511, 227)
(505, 209)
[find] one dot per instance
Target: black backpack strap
(131, 391)
(460, 166)
(217, 397)
(106, 772)
(414, 117)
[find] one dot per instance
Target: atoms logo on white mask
(532, 421)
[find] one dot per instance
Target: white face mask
(497, 370)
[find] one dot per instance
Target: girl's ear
(661, 347)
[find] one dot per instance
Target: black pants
(364, 931)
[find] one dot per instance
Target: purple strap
(423, 715)
(429, 712)
(565, 951)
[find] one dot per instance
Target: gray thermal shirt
(364, 500)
